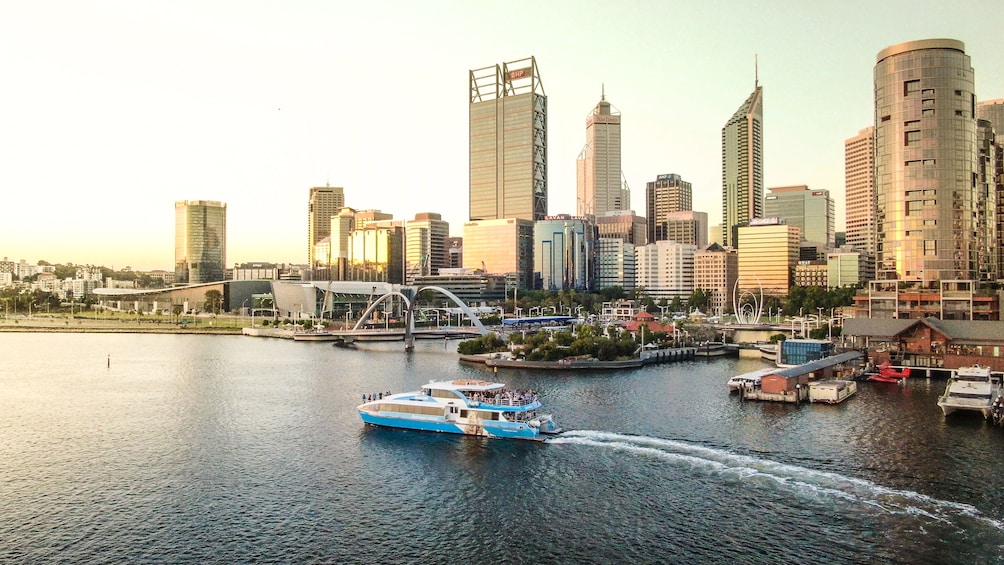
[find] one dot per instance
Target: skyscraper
(859, 187)
(742, 167)
(599, 185)
(200, 241)
(993, 111)
(810, 210)
(927, 208)
(508, 142)
(324, 202)
(425, 245)
(665, 195)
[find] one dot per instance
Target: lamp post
(820, 315)
(243, 311)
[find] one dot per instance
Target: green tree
(214, 301)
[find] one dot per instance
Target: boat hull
(507, 430)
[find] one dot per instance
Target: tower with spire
(600, 187)
(742, 164)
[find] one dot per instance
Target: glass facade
(926, 198)
(376, 255)
(859, 187)
(615, 264)
(324, 202)
(742, 168)
(810, 210)
(767, 258)
(200, 241)
(665, 195)
(564, 253)
(508, 142)
(503, 247)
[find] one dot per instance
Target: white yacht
(749, 380)
(970, 388)
(466, 406)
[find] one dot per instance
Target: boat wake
(810, 483)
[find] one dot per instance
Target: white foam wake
(801, 480)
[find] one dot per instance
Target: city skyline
(120, 109)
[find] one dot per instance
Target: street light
(820, 315)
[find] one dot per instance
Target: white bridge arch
(410, 303)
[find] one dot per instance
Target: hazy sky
(111, 111)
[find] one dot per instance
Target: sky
(111, 111)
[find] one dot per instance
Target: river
(224, 449)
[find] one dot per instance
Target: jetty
(507, 361)
(791, 384)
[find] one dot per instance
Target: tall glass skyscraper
(508, 142)
(859, 187)
(599, 185)
(325, 202)
(200, 241)
(927, 209)
(742, 167)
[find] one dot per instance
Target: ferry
(749, 380)
(970, 388)
(466, 406)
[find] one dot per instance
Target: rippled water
(235, 449)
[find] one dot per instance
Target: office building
(501, 247)
(742, 167)
(364, 217)
(376, 253)
(615, 263)
(599, 181)
(665, 269)
(324, 202)
(508, 142)
(768, 253)
(425, 245)
(715, 272)
(686, 226)
(928, 211)
(993, 111)
(200, 241)
(666, 194)
(564, 253)
(849, 266)
(811, 273)
(810, 210)
(624, 225)
(859, 187)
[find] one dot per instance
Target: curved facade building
(926, 202)
(200, 241)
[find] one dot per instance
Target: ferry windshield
(505, 397)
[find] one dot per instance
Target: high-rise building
(666, 194)
(987, 236)
(342, 226)
(200, 241)
(615, 263)
(324, 202)
(859, 189)
(508, 142)
(849, 266)
(927, 206)
(599, 185)
(715, 272)
(376, 253)
(687, 226)
(501, 247)
(425, 245)
(742, 167)
(363, 217)
(624, 225)
(810, 210)
(993, 111)
(768, 253)
(665, 269)
(564, 252)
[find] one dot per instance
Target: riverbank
(506, 361)
(62, 324)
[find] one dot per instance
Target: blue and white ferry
(467, 406)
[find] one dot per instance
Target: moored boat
(971, 389)
(832, 392)
(748, 380)
(465, 406)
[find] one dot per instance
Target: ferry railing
(505, 401)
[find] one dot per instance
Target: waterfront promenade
(65, 324)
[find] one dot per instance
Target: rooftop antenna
(603, 92)
(756, 71)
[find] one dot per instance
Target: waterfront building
(715, 272)
(859, 187)
(564, 253)
(323, 203)
(624, 225)
(599, 181)
(768, 253)
(928, 342)
(929, 221)
(686, 226)
(200, 241)
(425, 245)
(376, 253)
(502, 247)
(809, 210)
(666, 194)
(947, 300)
(665, 269)
(508, 142)
(849, 266)
(615, 263)
(742, 167)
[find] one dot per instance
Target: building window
(930, 247)
(913, 207)
(911, 87)
(886, 118)
(928, 92)
(927, 112)
(911, 138)
(958, 93)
